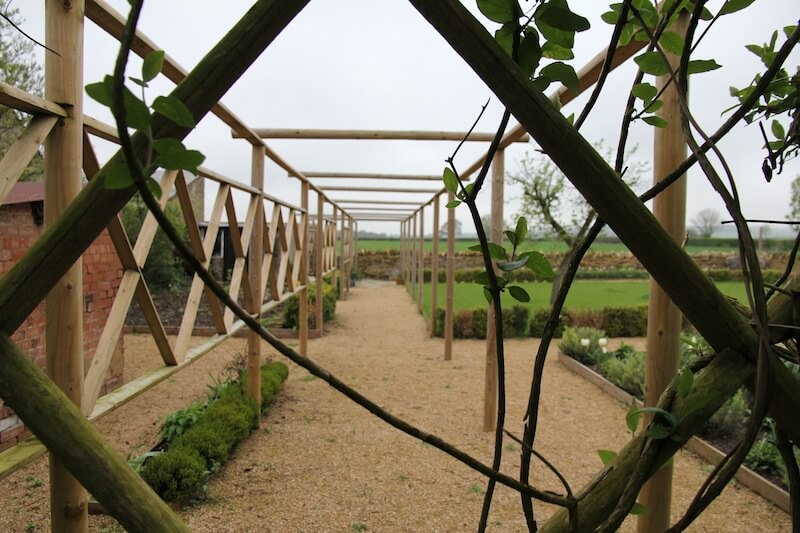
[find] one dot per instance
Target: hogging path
(322, 464)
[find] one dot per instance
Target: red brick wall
(102, 273)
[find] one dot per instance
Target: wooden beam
(304, 268)
(420, 275)
(19, 155)
(257, 164)
(380, 202)
(319, 244)
(435, 268)
(20, 100)
(407, 135)
(381, 209)
(372, 176)
(450, 266)
(63, 83)
(376, 189)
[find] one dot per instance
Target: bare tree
(705, 222)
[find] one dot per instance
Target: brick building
(21, 223)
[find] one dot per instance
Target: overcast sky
(377, 64)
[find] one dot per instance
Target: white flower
(604, 350)
(602, 342)
(585, 343)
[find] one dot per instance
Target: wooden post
(421, 267)
(255, 259)
(319, 241)
(303, 328)
(336, 257)
(490, 374)
(412, 242)
(435, 266)
(450, 266)
(663, 318)
(342, 258)
(64, 304)
(404, 259)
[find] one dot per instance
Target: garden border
(747, 477)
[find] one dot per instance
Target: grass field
(542, 246)
(585, 294)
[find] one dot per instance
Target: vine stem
(139, 181)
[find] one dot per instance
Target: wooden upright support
(490, 374)
(336, 256)
(64, 304)
(319, 243)
(254, 270)
(450, 265)
(435, 266)
(304, 256)
(421, 265)
(412, 242)
(663, 317)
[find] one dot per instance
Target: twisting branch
(138, 175)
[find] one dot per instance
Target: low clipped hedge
(200, 448)
(291, 308)
(519, 322)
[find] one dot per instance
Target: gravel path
(321, 464)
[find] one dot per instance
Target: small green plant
(475, 489)
(358, 526)
(625, 368)
(175, 424)
(586, 345)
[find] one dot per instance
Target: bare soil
(320, 463)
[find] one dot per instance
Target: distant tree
(443, 230)
(554, 208)
(794, 202)
(705, 222)
(18, 67)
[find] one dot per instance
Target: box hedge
(291, 307)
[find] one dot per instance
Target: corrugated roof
(25, 192)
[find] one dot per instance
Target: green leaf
(482, 278)
(100, 92)
(657, 432)
(152, 64)
(508, 266)
(638, 509)
(558, 15)
(696, 66)
(118, 176)
(505, 36)
(175, 110)
(653, 120)
(496, 251)
(501, 11)
(671, 42)
(521, 231)
(654, 106)
(732, 6)
(139, 82)
(789, 30)
(519, 294)
(530, 53)
(538, 264)
(154, 186)
(652, 63)
(607, 456)
(610, 17)
(512, 238)
(163, 146)
(777, 130)
(180, 159)
(450, 180)
(562, 72)
(644, 91)
(556, 51)
(453, 203)
(684, 382)
(487, 294)
(632, 418)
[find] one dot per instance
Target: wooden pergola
(57, 408)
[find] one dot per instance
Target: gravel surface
(321, 463)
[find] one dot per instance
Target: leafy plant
(583, 344)
(175, 424)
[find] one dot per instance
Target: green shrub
(515, 321)
(273, 375)
(625, 369)
(583, 344)
(539, 319)
(625, 321)
(232, 418)
(177, 474)
(175, 424)
(479, 318)
(440, 314)
(729, 419)
(205, 439)
(291, 307)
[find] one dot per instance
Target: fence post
(421, 266)
(304, 267)
(64, 303)
(450, 265)
(319, 242)
(664, 319)
(255, 260)
(490, 375)
(435, 265)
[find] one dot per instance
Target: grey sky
(376, 64)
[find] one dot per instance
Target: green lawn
(542, 246)
(585, 294)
